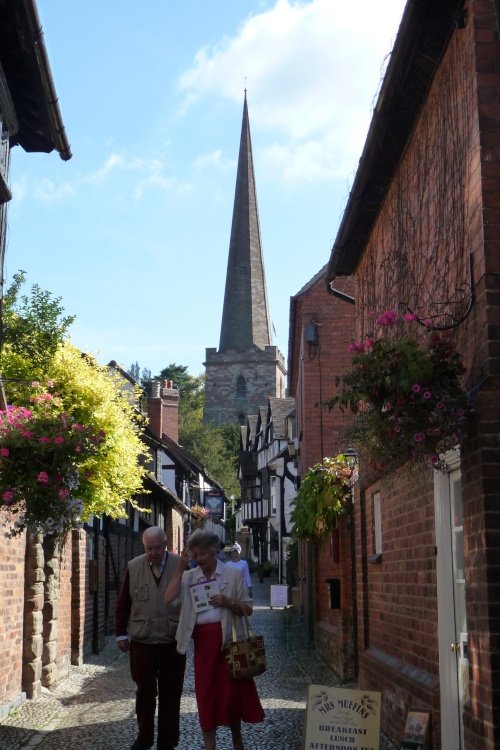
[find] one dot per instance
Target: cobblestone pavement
(93, 708)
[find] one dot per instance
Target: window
(241, 388)
(273, 491)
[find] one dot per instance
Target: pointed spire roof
(245, 317)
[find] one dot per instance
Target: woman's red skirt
(221, 700)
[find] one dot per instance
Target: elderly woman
(221, 701)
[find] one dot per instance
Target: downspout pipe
(61, 141)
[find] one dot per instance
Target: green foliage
(214, 448)
(83, 392)
(33, 325)
(324, 495)
(191, 391)
(94, 397)
(407, 399)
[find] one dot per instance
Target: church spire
(245, 316)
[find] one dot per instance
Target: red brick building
(321, 327)
(421, 231)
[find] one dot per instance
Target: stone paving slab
(93, 708)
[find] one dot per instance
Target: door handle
(455, 647)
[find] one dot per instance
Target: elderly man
(145, 627)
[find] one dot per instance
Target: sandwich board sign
(342, 719)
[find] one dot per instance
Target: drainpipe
(95, 602)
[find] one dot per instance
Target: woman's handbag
(245, 658)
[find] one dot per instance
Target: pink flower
(58, 440)
(356, 347)
(409, 317)
(415, 388)
(63, 493)
(388, 318)
(8, 497)
(427, 394)
(42, 477)
(419, 437)
(44, 439)
(78, 448)
(368, 343)
(27, 434)
(4, 452)
(35, 383)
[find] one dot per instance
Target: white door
(452, 621)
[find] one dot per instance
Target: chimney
(163, 410)
(170, 410)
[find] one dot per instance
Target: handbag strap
(247, 626)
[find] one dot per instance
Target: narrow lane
(93, 709)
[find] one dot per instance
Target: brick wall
(441, 209)
(313, 366)
(397, 597)
(11, 621)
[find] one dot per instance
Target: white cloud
(312, 71)
(145, 174)
(215, 159)
(114, 161)
(48, 191)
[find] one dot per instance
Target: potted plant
(406, 396)
(43, 452)
(199, 515)
(324, 495)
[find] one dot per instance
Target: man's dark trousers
(157, 669)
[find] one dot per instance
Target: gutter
(51, 99)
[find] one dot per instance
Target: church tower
(247, 368)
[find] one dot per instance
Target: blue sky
(133, 232)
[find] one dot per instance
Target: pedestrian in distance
(235, 561)
(145, 627)
(210, 595)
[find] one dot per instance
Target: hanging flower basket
(42, 455)
(407, 397)
(199, 515)
(324, 495)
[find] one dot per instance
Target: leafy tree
(33, 325)
(35, 349)
(214, 448)
(134, 371)
(191, 391)
(92, 396)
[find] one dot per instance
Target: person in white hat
(235, 561)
